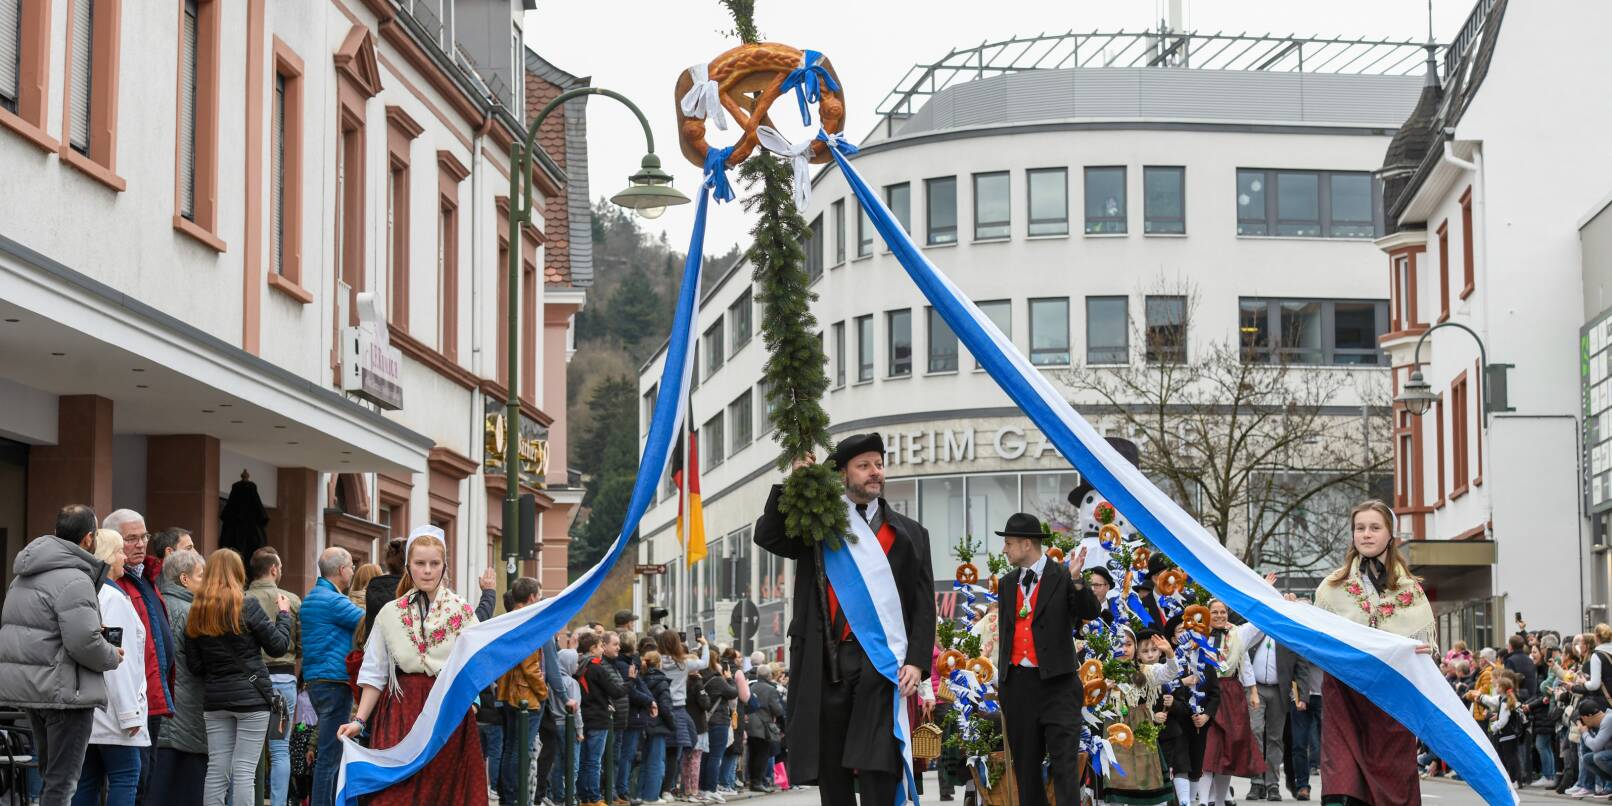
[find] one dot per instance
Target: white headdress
(423, 531)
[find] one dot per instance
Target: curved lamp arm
(1483, 358)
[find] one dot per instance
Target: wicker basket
(926, 741)
(1004, 791)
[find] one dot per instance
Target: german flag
(690, 515)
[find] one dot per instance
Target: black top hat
(1126, 449)
(1023, 525)
(855, 445)
(1102, 572)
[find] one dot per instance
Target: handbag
(279, 712)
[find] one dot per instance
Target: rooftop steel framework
(1217, 51)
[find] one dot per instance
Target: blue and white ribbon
(716, 173)
(484, 652)
(1382, 666)
(704, 99)
(866, 588)
(808, 81)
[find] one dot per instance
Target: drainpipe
(478, 505)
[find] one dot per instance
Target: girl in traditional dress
(407, 647)
(1230, 749)
(1366, 756)
(1186, 729)
(1146, 782)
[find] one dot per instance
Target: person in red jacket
(140, 581)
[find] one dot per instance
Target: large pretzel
(750, 78)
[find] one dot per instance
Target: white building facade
(1080, 207)
(264, 241)
(1492, 181)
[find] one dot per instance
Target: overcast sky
(638, 48)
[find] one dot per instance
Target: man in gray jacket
(52, 652)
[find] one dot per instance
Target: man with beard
(840, 707)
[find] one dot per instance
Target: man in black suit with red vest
(840, 713)
(1041, 604)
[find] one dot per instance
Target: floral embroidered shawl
(421, 646)
(1402, 611)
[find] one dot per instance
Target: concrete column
(294, 527)
(77, 469)
(182, 485)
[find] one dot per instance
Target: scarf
(1376, 571)
(419, 634)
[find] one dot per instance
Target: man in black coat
(840, 708)
(1041, 606)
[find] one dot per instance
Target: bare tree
(1267, 453)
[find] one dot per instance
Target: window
(649, 406)
(1000, 312)
(198, 118)
(1306, 204)
(864, 349)
(1444, 271)
(1405, 313)
(715, 448)
(10, 53)
(1164, 205)
(1105, 201)
(1438, 420)
(765, 426)
(1460, 450)
(898, 326)
(1299, 331)
(814, 250)
(942, 344)
(899, 199)
(1166, 329)
(397, 242)
(839, 232)
(82, 66)
(713, 348)
(89, 111)
(739, 321)
(993, 217)
(1049, 332)
(1466, 243)
(839, 354)
(940, 204)
(447, 285)
(864, 231)
(1108, 325)
(740, 414)
(285, 174)
(349, 228)
(1049, 201)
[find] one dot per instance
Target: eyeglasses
(141, 539)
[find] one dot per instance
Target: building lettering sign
(1009, 443)
(1595, 390)
(532, 443)
(371, 367)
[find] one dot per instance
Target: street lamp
(649, 192)
(1418, 396)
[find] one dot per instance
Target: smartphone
(699, 632)
(1519, 617)
(113, 635)
(682, 635)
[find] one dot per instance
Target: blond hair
(109, 542)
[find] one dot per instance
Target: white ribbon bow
(704, 99)
(800, 156)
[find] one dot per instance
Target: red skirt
(458, 772)
(1230, 748)
(1365, 753)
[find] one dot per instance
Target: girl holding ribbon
(1367, 756)
(408, 646)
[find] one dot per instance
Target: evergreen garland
(744, 22)
(794, 372)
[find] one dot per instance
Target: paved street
(1441, 793)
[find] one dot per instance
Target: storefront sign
(371, 367)
(1009, 443)
(532, 443)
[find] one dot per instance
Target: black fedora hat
(1126, 449)
(855, 445)
(1023, 525)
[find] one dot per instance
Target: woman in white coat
(112, 763)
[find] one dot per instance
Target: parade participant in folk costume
(1366, 756)
(407, 647)
(1186, 729)
(1041, 605)
(839, 703)
(1141, 698)
(1231, 750)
